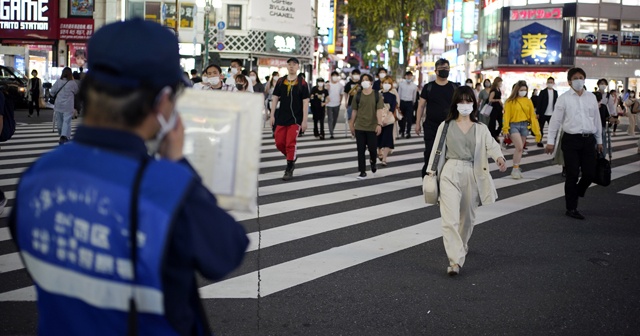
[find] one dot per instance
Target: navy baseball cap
(135, 53)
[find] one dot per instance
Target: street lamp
(207, 10)
(390, 34)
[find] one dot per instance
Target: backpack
(8, 118)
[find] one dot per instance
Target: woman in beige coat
(463, 173)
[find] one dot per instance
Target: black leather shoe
(540, 145)
(574, 214)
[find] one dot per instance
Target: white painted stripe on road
(351, 145)
(21, 294)
(31, 145)
(299, 271)
(10, 262)
(634, 191)
(22, 153)
(6, 212)
(8, 182)
(19, 161)
(318, 225)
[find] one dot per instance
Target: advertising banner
(291, 16)
(468, 19)
(29, 19)
(76, 29)
(457, 21)
(534, 44)
(81, 8)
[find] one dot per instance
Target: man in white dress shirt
(408, 91)
(576, 113)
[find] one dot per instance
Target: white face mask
(465, 109)
(335, 78)
(382, 75)
(550, 85)
(602, 87)
(320, 85)
(470, 85)
(234, 71)
(409, 80)
(253, 78)
(577, 84)
(366, 84)
(356, 77)
(522, 93)
(275, 78)
(386, 86)
(213, 80)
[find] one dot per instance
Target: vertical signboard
(326, 21)
(457, 21)
(468, 18)
(449, 25)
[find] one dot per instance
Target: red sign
(29, 19)
(536, 14)
(486, 3)
(76, 29)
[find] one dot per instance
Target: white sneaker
(525, 152)
(516, 173)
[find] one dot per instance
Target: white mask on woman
(382, 75)
(366, 84)
(522, 93)
(213, 80)
(465, 109)
(275, 78)
(321, 85)
(356, 77)
(253, 79)
(386, 87)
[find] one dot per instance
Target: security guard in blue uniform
(77, 206)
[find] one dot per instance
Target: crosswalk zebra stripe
(296, 272)
(635, 190)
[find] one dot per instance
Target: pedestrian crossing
(325, 220)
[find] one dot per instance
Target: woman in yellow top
(518, 114)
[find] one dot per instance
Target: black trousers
(406, 107)
(579, 155)
(495, 119)
(35, 102)
(430, 129)
(542, 120)
(318, 122)
(366, 140)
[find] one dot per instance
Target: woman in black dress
(319, 100)
(385, 139)
(495, 120)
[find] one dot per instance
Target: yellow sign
(534, 45)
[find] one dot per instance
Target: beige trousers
(633, 121)
(458, 204)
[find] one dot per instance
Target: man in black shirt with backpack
(436, 96)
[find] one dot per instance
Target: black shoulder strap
(358, 95)
(133, 242)
(443, 137)
(429, 86)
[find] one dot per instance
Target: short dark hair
(602, 80)
(368, 76)
(574, 71)
(319, 79)
(469, 80)
(408, 73)
(462, 92)
(212, 66)
(237, 61)
(335, 73)
(194, 72)
(442, 61)
(356, 71)
(551, 78)
(382, 69)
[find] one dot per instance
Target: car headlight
(22, 89)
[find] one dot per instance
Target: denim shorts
(519, 127)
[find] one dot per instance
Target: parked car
(15, 83)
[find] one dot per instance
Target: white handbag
(486, 110)
(430, 183)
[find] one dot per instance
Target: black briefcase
(603, 172)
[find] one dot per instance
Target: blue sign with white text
(535, 44)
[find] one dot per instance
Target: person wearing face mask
(546, 101)
(386, 139)
(258, 87)
(212, 80)
(469, 82)
(319, 99)
(236, 69)
(242, 83)
(463, 173)
(407, 90)
(336, 91)
(436, 97)
(382, 74)
(366, 124)
(148, 220)
(351, 88)
(518, 115)
(577, 115)
(34, 88)
(483, 99)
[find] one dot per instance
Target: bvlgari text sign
(32, 19)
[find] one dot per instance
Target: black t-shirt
(351, 85)
(196, 79)
(291, 94)
(318, 96)
(438, 103)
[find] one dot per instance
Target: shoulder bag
(430, 183)
(52, 99)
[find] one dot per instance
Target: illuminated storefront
(536, 39)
